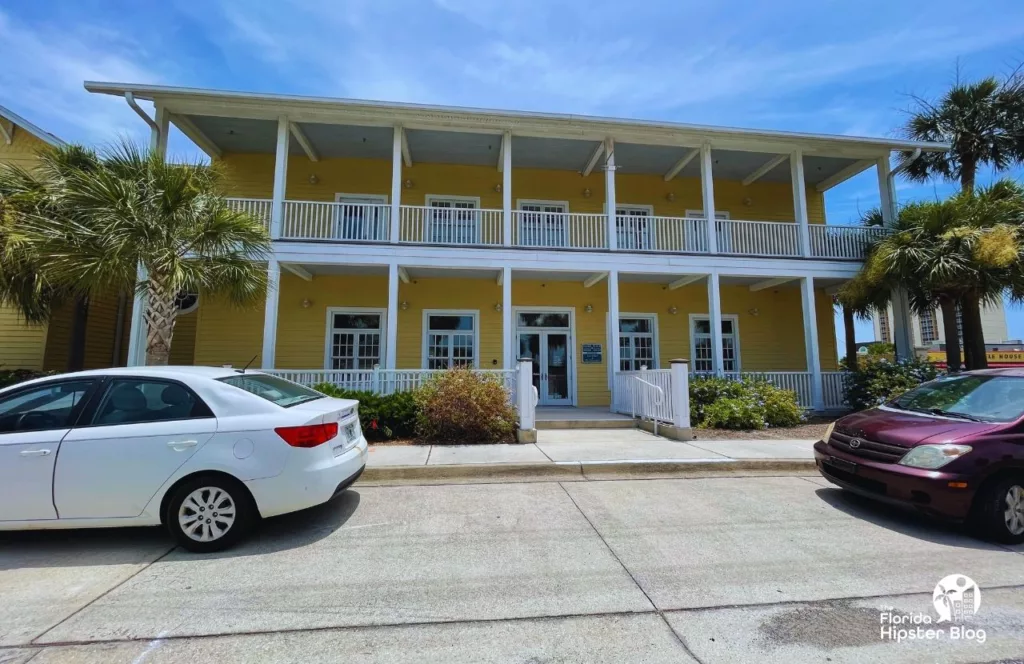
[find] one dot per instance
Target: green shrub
(741, 404)
(876, 382)
(382, 416)
(10, 377)
(729, 413)
(462, 406)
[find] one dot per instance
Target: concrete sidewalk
(569, 454)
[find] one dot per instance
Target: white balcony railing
(258, 207)
(800, 383)
(356, 222)
(758, 238)
(843, 241)
(559, 230)
(446, 225)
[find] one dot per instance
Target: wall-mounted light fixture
(670, 196)
(747, 201)
(673, 310)
(587, 193)
(589, 308)
(313, 179)
(408, 184)
(753, 311)
(497, 188)
(403, 305)
(307, 303)
(498, 307)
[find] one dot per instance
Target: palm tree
(125, 212)
(983, 122)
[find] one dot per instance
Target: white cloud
(43, 70)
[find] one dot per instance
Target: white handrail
(644, 398)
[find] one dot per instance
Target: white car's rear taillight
(309, 435)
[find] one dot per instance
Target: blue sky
(837, 67)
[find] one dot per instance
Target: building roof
(36, 131)
(220, 121)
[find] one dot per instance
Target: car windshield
(282, 392)
(983, 398)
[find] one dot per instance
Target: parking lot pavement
(744, 569)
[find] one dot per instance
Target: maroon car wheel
(1001, 510)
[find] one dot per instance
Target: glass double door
(552, 364)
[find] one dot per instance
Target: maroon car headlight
(933, 456)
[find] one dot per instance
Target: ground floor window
(637, 346)
(449, 339)
(703, 355)
(929, 328)
(354, 339)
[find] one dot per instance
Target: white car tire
(208, 513)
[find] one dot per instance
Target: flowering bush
(462, 406)
(876, 382)
(723, 403)
(382, 416)
(10, 377)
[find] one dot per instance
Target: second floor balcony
(635, 231)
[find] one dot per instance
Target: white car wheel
(1014, 514)
(207, 514)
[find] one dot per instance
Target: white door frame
(371, 199)
(736, 339)
(537, 201)
(571, 330)
(382, 312)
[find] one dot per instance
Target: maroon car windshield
(968, 396)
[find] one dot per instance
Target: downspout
(130, 98)
(122, 302)
(893, 207)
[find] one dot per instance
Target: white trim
(520, 202)
(649, 209)
(380, 198)
(194, 134)
(594, 279)
(431, 198)
(770, 283)
(735, 333)
(7, 133)
(572, 338)
(653, 317)
(425, 331)
(763, 169)
(685, 280)
(598, 151)
(721, 215)
(681, 164)
(301, 139)
(17, 120)
(406, 154)
(382, 312)
(855, 168)
(298, 271)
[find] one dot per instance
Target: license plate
(842, 464)
(350, 431)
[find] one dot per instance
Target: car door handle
(34, 453)
(182, 445)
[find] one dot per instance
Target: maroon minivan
(952, 447)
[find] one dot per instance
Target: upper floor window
(450, 339)
(929, 328)
(361, 217)
(702, 351)
(885, 335)
(453, 220)
(633, 228)
(542, 224)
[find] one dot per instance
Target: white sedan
(206, 452)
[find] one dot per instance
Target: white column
(524, 395)
(680, 372)
(796, 174)
(885, 191)
(902, 329)
(391, 351)
(715, 320)
(158, 138)
(811, 341)
(506, 188)
(270, 314)
(396, 183)
(707, 188)
(508, 350)
(609, 193)
(137, 327)
(613, 327)
(280, 177)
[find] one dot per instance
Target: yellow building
(416, 238)
(48, 347)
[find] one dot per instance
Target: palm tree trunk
(968, 171)
(851, 340)
(76, 352)
(161, 314)
(949, 331)
(974, 336)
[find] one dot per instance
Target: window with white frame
(637, 344)
(353, 340)
(542, 223)
(453, 220)
(361, 217)
(884, 335)
(929, 328)
(633, 227)
(703, 354)
(449, 339)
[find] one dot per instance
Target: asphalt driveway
(780, 569)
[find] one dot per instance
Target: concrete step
(616, 423)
